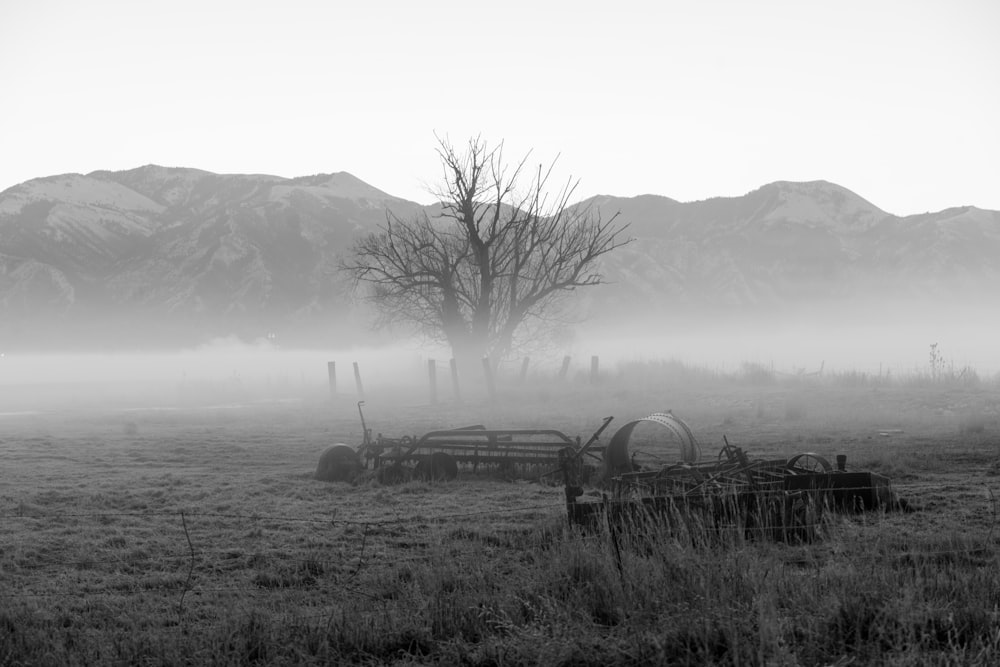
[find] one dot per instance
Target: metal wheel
(806, 463)
(650, 449)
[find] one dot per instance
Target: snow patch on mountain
(101, 224)
(823, 204)
(341, 185)
(80, 190)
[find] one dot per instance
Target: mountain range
(158, 256)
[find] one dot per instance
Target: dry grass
(199, 536)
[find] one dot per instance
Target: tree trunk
(468, 351)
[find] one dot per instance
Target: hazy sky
(898, 100)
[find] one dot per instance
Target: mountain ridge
(181, 253)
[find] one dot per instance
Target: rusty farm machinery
(438, 454)
(784, 498)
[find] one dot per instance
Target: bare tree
(491, 268)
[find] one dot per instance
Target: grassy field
(197, 535)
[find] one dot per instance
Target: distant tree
(492, 266)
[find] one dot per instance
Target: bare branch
(493, 262)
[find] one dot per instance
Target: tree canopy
(489, 266)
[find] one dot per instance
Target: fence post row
(488, 374)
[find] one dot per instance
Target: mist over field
(224, 371)
(889, 341)
(861, 335)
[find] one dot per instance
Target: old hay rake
(438, 454)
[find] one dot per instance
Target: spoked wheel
(806, 463)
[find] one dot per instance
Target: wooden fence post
(524, 371)
(491, 386)
(564, 369)
(331, 373)
(454, 380)
(357, 382)
(594, 369)
(432, 380)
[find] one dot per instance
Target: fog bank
(227, 371)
